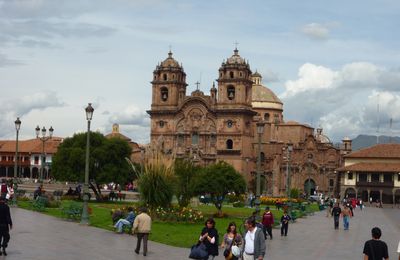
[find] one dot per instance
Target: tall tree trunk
(96, 192)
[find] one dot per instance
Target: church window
(161, 124)
(195, 138)
(155, 77)
(164, 94)
(213, 138)
(220, 75)
(173, 76)
(229, 144)
(165, 76)
(331, 182)
(229, 123)
(231, 92)
(262, 156)
(180, 139)
(240, 74)
(266, 117)
(350, 175)
(276, 118)
(231, 74)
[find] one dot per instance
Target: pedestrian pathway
(37, 236)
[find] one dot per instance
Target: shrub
(53, 204)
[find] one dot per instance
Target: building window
(229, 123)
(262, 156)
(362, 177)
(229, 144)
(266, 117)
(173, 76)
(276, 118)
(375, 177)
(331, 182)
(387, 178)
(195, 138)
(36, 160)
(231, 74)
(181, 139)
(3, 158)
(164, 94)
(350, 175)
(398, 176)
(231, 92)
(165, 76)
(240, 74)
(213, 138)
(161, 124)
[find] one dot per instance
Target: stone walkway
(37, 236)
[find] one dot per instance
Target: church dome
(170, 62)
(321, 137)
(256, 75)
(264, 94)
(235, 58)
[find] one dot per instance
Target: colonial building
(222, 126)
(372, 173)
(137, 150)
(30, 153)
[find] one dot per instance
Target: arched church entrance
(350, 193)
(309, 185)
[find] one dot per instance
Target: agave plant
(156, 181)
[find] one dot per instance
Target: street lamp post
(309, 160)
(260, 131)
(289, 150)
(85, 214)
(15, 185)
(43, 138)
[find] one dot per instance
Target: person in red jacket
(267, 221)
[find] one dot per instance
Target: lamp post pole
(260, 131)
(15, 185)
(289, 150)
(309, 159)
(44, 139)
(85, 214)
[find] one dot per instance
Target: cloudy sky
(331, 62)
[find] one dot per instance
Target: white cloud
(316, 31)
(131, 115)
(5, 61)
(344, 102)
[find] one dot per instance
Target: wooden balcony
(375, 184)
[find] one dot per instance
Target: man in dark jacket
(254, 241)
(5, 225)
(336, 215)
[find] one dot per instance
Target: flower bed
(273, 201)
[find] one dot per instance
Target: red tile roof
(372, 167)
(31, 146)
(377, 151)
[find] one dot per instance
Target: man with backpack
(336, 211)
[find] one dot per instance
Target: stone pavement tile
(40, 237)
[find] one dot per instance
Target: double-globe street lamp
(260, 130)
(85, 214)
(15, 185)
(44, 139)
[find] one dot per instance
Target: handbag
(198, 251)
(228, 254)
(236, 250)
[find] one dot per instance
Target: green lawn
(174, 234)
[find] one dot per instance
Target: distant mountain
(363, 141)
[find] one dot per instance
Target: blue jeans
(346, 222)
(120, 224)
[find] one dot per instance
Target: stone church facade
(222, 126)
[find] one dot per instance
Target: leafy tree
(218, 180)
(106, 162)
(185, 172)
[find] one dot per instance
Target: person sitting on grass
(125, 221)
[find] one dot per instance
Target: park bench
(72, 212)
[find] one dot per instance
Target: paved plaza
(37, 236)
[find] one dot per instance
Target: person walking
(5, 225)
(267, 221)
(336, 211)
(142, 227)
(254, 242)
(375, 249)
(125, 221)
(398, 250)
(231, 238)
(285, 223)
(346, 213)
